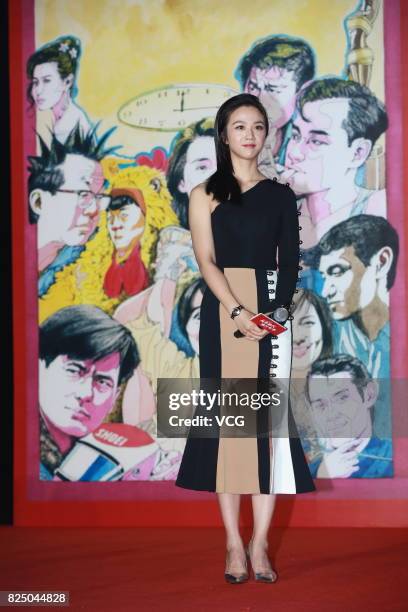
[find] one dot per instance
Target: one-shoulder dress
(256, 245)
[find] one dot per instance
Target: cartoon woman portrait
(312, 331)
(312, 340)
(192, 161)
(186, 318)
(52, 72)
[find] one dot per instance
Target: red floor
(182, 569)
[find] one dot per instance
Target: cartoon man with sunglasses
(65, 200)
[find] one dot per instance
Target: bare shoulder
(199, 191)
(200, 188)
(200, 200)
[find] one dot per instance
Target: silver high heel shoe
(263, 576)
(239, 578)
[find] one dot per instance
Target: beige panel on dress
(237, 464)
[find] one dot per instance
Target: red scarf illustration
(130, 276)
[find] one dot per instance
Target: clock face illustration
(173, 107)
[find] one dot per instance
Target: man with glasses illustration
(65, 200)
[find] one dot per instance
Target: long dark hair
(186, 301)
(324, 315)
(181, 315)
(177, 161)
(223, 184)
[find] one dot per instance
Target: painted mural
(125, 123)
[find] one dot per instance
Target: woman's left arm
(288, 251)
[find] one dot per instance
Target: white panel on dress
(282, 473)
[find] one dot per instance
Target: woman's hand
(247, 327)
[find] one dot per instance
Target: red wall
(381, 502)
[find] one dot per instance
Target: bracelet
(235, 311)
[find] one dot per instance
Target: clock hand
(194, 108)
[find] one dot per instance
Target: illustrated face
(276, 89)
(76, 395)
(47, 85)
(125, 225)
(246, 132)
(318, 156)
(193, 323)
(307, 336)
(200, 163)
(65, 217)
(339, 411)
(349, 285)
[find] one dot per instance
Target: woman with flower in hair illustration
(52, 72)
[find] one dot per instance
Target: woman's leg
(229, 505)
(263, 506)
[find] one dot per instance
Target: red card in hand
(265, 322)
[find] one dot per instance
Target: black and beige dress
(250, 238)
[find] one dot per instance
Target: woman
(185, 327)
(238, 220)
(312, 332)
(192, 161)
(312, 340)
(52, 72)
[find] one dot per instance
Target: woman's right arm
(199, 217)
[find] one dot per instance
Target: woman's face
(193, 323)
(307, 336)
(246, 132)
(47, 86)
(200, 163)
